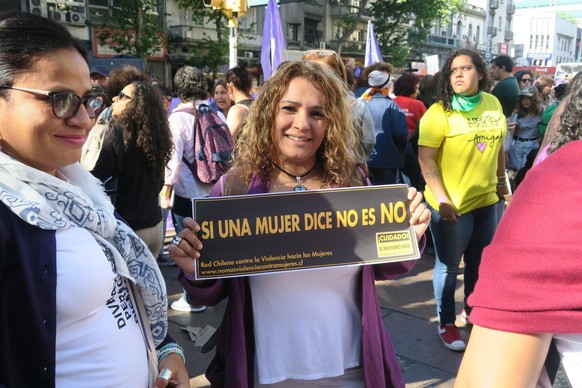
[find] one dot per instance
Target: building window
(99, 11)
(293, 32)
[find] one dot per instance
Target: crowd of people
(94, 161)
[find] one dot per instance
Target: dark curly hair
(571, 120)
(520, 73)
(239, 76)
(121, 77)
(445, 90)
(406, 85)
(145, 120)
(190, 84)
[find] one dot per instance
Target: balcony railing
(492, 31)
(508, 35)
(510, 9)
(493, 4)
(186, 32)
(443, 41)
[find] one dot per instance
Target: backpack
(212, 143)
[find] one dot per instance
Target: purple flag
(373, 53)
(273, 43)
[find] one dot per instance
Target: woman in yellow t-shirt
(462, 160)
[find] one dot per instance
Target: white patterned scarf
(50, 203)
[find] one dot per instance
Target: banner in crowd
(265, 233)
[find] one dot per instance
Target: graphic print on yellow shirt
(468, 147)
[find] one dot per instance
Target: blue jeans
(518, 153)
(469, 236)
(178, 221)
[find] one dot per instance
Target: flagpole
(233, 54)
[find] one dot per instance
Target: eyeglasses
(66, 104)
(122, 96)
(524, 80)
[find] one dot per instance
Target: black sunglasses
(66, 104)
(526, 80)
(122, 96)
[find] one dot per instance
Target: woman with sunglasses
(135, 153)
(83, 302)
(118, 79)
(524, 78)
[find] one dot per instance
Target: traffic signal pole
(232, 9)
(233, 45)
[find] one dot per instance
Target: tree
(207, 53)
(404, 24)
(349, 18)
(400, 25)
(132, 29)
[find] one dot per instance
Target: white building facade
(547, 38)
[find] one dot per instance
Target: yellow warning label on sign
(394, 243)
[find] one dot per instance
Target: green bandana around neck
(466, 103)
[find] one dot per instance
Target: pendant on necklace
(299, 186)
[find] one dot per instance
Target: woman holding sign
(298, 328)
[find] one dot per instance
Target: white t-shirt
(308, 324)
(98, 340)
(570, 348)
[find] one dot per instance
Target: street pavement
(409, 312)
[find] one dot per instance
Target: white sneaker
(183, 305)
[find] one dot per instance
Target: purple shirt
(233, 364)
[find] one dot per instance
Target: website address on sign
(251, 268)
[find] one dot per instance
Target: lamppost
(232, 9)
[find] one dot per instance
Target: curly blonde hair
(255, 147)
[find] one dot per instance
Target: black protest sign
(265, 233)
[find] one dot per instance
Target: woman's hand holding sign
(419, 214)
(185, 247)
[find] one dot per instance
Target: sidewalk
(409, 312)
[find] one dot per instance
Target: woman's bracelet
(170, 348)
(190, 276)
